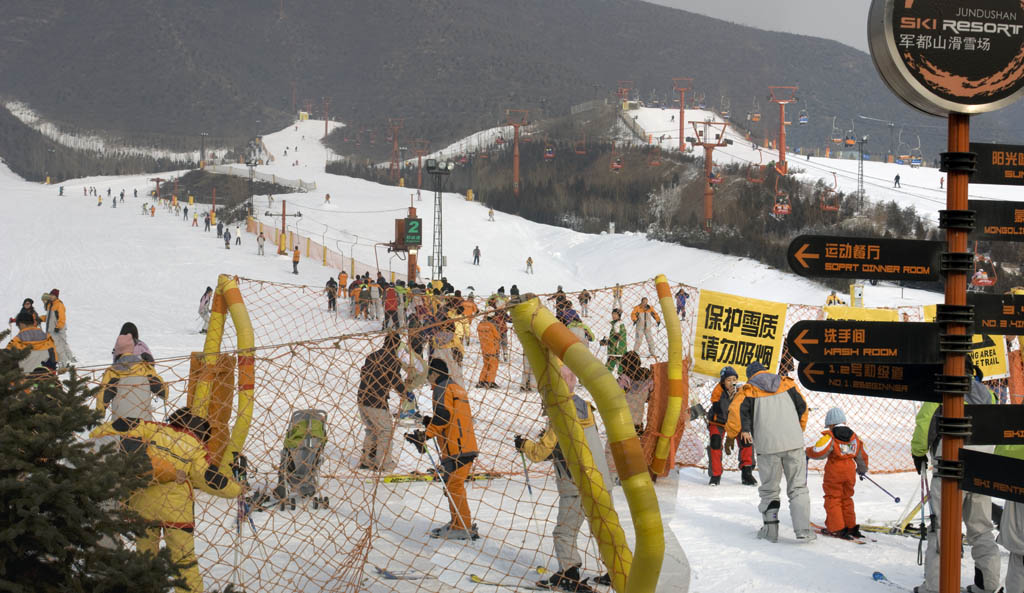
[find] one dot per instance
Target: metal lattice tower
(860, 171)
(437, 269)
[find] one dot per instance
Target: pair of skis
(516, 586)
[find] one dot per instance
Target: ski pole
(920, 541)
(526, 474)
(440, 478)
(868, 478)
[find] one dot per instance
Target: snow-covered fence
(298, 184)
(587, 106)
(633, 126)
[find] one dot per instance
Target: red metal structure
(516, 118)
(395, 123)
(549, 150)
(625, 86)
(983, 264)
(681, 85)
(829, 197)
(421, 147)
(615, 165)
(756, 173)
(783, 95)
(581, 145)
(654, 157)
(710, 135)
(781, 207)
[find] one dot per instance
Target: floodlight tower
(710, 135)
(681, 85)
(783, 95)
(516, 118)
(395, 123)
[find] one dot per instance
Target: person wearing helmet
(847, 459)
(721, 397)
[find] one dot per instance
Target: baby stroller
(300, 459)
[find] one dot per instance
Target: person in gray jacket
(771, 413)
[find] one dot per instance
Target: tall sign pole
(922, 56)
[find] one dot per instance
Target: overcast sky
(844, 21)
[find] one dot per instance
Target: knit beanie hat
(835, 416)
(754, 368)
(727, 372)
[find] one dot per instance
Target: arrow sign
(997, 313)
(826, 256)
(995, 424)
(864, 341)
(998, 164)
(997, 221)
(898, 381)
(994, 475)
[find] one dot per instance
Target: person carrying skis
(476, 255)
(452, 427)
(644, 318)
(205, 302)
(260, 242)
(584, 302)
(977, 508)
(295, 260)
(616, 341)
(331, 290)
(490, 344)
(179, 457)
(42, 356)
(847, 459)
(227, 238)
(721, 398)
(56, 326)
(378, 377)
(570, 510)
(770, 412)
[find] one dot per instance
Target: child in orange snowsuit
(847, 459)
(490, 342)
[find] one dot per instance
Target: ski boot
(854, 532)
(770, 529)
(451, 533)
(566, 580)
(715, 481)
(805, 536)
(747, 476)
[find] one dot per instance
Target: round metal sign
(943, 56)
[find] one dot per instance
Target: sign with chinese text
(999, 164)
(994, 475)
(997, 313)
(900, 381)
(864, 341)
(988, 351)
(960, 56)
(995, 424)
(413, 232)
(735, 331)
(997, 221)
(824, 256)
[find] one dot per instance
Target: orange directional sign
(994, 475)
(997, 220)
(824, 256)
(997, 313)
(993, 424)
(900, 381)
(864, 341)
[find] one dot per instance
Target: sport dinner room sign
(942, 56)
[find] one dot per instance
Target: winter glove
(419, 439)
(519, 441)
(729, 444)
(427, 420)
(604, 341)
(920, 463)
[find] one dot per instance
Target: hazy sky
(844, 21)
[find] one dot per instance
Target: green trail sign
(413, 232)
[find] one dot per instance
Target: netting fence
(320, 522)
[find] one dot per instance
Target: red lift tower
(624, 88)
(421, 147)
(681, 85)
(516, 118)
(395, 123)
(710, 135)
(783, 95)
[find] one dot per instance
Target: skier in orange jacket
(846, 460)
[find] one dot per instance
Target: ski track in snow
(115, 265)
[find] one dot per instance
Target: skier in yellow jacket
(181, 463)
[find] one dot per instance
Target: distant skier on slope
(204, 308)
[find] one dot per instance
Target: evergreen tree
(64, 526)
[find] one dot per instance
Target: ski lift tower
(395, 123)
(860, 169)
(681, 85)
(516, 118)
(421, 147)
(710, 135)
(783, 95)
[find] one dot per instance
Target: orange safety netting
(336, 523)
